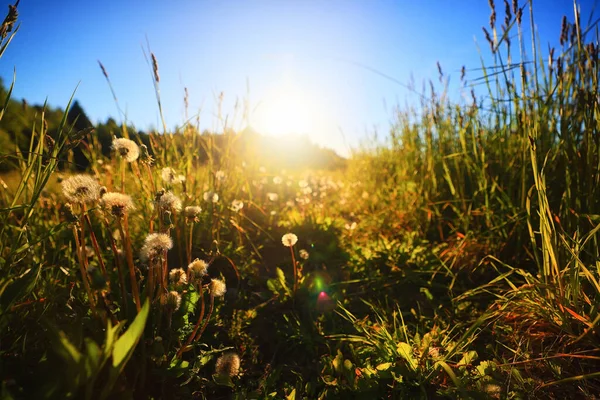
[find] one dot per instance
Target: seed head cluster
(217, 288)
(117, 204)
(126, 148)
(168, 202)
(178, 277)
(289, 239)
(154, 245)
(228, 364)
(196, 270)
(81, 189)
(192, 213)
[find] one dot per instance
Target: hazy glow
(285, 110)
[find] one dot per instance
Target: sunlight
(285, 110)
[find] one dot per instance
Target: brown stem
(96, 247)
(127, 245)
(189, 246)
(119, 268)
(84, 276)
(210, 310)
(191, 337)
(295, 270)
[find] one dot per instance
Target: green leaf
(384, 366)
(13, 290)
(405, 351)
(126, 343)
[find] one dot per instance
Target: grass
(457, 260)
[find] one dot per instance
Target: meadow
(457, 259)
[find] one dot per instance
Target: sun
(285, 110)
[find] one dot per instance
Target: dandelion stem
(119, 269)
(210, 310)
(84, 277)
(189, 245)
(193, 334)
(295, 269)
(127, 245)
(96, 247)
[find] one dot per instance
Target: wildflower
(178, 277)
(192, 213)
(220, 175)
(81, 189)
(210, 197)
(289, 239)
(217, 288)
(272, 196)
(237, 205)
(168, 202)
(228, 364)
(196, 270)
(304, 254)
(155, 244)
(172, 301)
(126, 148)
(118, 204)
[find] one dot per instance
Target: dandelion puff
(118, 204)
(172, 301)
(277, 180)
(272, 196)
(178, 277)
(217, 288)
(126, 148)
(289, 239)
(220, 176)
(168, 202)
(81, 189)
(155, 244)
(304, 254)
(237, 205)
(196, 270)
(228, 364)
(192, 213)
(168, 175)
(210, 197)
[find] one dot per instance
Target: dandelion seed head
(172, 301)
(178, 277)
(81, 188)
(117, 204)
(168, 202)
(210, 197)
(304, 254)
(277, 180)
(154, 245)
(196, 270)
(126, 148)
(192, 213)
(217, 288)
(237, 205)
(289, 239)
(170, 177)
(220, 175)
(228, 364)
(272, 196)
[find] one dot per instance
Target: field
(457, 259)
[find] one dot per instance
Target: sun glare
(284, 111)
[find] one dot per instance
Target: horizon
(334, 72)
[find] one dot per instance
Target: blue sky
(306, 55)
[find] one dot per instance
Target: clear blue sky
(308, 48)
